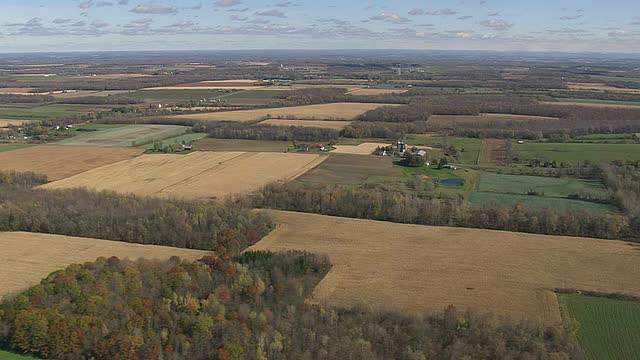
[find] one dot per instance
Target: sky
(504, 25)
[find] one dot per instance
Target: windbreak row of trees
(425, 209)
(228, 226)
(250, 131)
(250, 308)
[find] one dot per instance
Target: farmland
(26, 258)
(44, 112)
(453, 120)
(308, 123)
(350, 169)
(361, 149)
(542, 202)
(210, 144)
(338, 111)
(122, 136)
(5, 123)
(596, 102)
(573, 153)
(547, 186)
(199, 175)
(423, 268)
(607, 328)
(469, 148)
(59, 162)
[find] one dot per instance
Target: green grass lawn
(608, 328)
(574, 153)
(9, 147)
(595, 101)
(177, 140)
(11, 356)
(547, 186)
(469, 148)
(543, 202)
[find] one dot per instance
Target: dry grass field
(424, 268)
(493, 152)
(325, 124)
(372, 92)
(362, 149)
(7, 122)
(594, 105)
(199, 175)
(59, 162)
(336, 111)
(27, 258)
(452, 120)
(599, 87)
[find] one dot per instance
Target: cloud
(61, 21)
(104, 3)
(271, 13)
(227, 3)
(466, 17)
(440, 12)
(123, 2)
(153, 9)
(570, 18)
(635, 20)
(284, 4)
(390, 18)
(86, 4)
(237, 18)
(99, 24)
(496, 24)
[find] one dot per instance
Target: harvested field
(210, 144)
(59, 162)
(5, 123)
(590, 104)
(452, 120)
(27, 258)
(494, 152)
(600, 87)
(199, 175)
(17, 91)
(128, 135)
(373, 92)
(362, 149)
(336, 111)
(425, 268)
(325, 124)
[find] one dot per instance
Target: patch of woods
(426, 208)
(228, 226)
(250, 131)
(250, 307)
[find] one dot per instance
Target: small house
(421, 153)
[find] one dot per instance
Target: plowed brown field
(199, 175)
(26, 258)
(59, 162)
(425, 268)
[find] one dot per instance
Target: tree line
(427, 209)
(228, 226)
(251, 307)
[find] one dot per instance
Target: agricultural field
(595, 102)
(177, 140)
(198, 175)
(175, 95)
(338, 125)
(337, 111)
(545, 186)
(494, 152)
(606, 328)
(252, 97)
(424, 269)
(59, 162)
(10, 147)
(27, 258)
(510, 200)
(361, 149)
(574, 153)
(373, 92)
(209, 144)
(6, 122)
(45, 112)
(123, 135)
(351, 169)
(601, 87)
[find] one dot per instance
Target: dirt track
(425, 268)
(494, 152)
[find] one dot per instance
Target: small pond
(452, 182)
